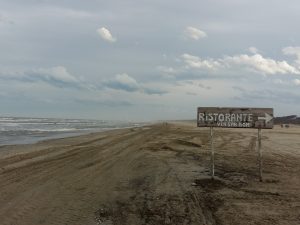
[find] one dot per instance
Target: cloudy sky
(147, 60)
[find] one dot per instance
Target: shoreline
(53, 136)
(8, 150)
(21, 130)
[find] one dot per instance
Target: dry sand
(152, 175)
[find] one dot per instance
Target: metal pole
(259, 155)
(212, 169)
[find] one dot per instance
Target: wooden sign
(261, 118)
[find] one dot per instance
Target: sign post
(259, 154)
(259, 118)
(212, 156)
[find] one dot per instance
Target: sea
(21, 130)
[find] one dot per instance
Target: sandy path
(144, 176)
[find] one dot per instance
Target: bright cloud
(292, 51)
(168, 72)
(296, 82)
(196, 62)
(194, 33)
(260, 64)
(256, 63)
(253, 50)
(106, 35)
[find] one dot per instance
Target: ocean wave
(16, 129)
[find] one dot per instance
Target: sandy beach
(154, 175)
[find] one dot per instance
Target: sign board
(235, 117)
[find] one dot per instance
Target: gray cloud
(127, 83)
(153, 91)
(100, 102)
(56, 76)
(269, 95)
(5, 20)
(204, 86)
(123, 82)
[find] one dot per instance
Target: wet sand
(153, 175)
